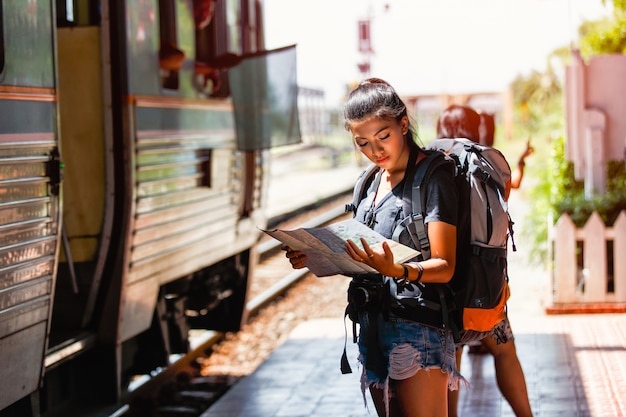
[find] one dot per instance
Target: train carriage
(129, 199)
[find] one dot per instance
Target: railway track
(188, 387)
(266, 271)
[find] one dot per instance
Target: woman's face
(382, 141)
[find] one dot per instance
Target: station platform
(575, 365)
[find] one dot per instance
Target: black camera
(361, 296)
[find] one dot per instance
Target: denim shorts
(501, 333)
(407, 347)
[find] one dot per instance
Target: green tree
(606, 36)
(536, 97)
(539, 114)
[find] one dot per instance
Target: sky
(425, 46)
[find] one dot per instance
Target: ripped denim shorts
(501, 334)
(405, 348)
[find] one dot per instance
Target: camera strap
(345, 364)
(375, 360)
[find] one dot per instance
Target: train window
(204, 20)
(205, 158)
(248, 26)
(171, 58)
(218, 46)
(65, 13)
(258, 14)
(233, 22)
(77, 13)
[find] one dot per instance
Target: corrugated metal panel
(28, 242)
(22, 272)
(27, 225)
(20, 371)
(188, 190)
(185, 260)
(23, 316)
(177, 206)
(261, 181)
(177, 239)
(186, 187)
(177, 198)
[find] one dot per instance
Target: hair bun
(374, 80)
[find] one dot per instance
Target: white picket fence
(584, 280)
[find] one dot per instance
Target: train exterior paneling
(29, 215)
(186, 177)
(187, 195)
(147, 228)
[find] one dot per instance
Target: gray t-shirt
(441, 205)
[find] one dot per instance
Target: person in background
(487, 132)
(463, 122)
(408, 366)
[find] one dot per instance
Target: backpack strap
(414, 201)
(360, 187)
(446, 312)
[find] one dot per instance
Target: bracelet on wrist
(420, 272)
(406, 272)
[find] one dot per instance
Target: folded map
(325, 247)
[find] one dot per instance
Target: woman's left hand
(382, 262)
(296, 257)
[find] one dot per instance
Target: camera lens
(360, 296)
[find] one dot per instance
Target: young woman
(407, 366)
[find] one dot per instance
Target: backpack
(474, 300)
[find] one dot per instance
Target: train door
(86, 145)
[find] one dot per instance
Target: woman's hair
(459, 122)
(375, 98)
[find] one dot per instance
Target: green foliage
(557, 191)
(538, 104)
(538, 115)
(549, 179)
(604, 37)
(618, 5)
(567, 194)
(607, 36)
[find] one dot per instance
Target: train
(134, 155)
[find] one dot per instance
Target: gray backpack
(479, 287)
